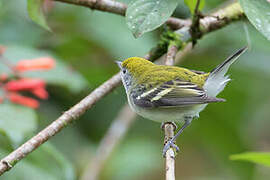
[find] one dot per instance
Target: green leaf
(146, 15)
(16, 122)
(61, 74)
(43, 164)
(34, 8)
(255, 157)
(192, 4)
(258, 13)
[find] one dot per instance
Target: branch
(102, 5)
(170, 154)
(228, 14)
(111, 139)
(168, 126)
(222, 17)
(172, 50)
(120, 9)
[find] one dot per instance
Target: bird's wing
(173, 94)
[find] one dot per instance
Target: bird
(172, 94)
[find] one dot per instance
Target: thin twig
(195, 27)
(111, 139)
(168, 126)
(170, 154)
(222, 18)
(196, 10)
(102, 5)
(171, 53)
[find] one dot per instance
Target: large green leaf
(34, 8)
(43, 164)
(256, 157)
(16, 122)
(146, 15)
(192, 4)
(61, 75)
(258, 13)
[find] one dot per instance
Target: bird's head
(132, 69)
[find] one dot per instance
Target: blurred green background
(88, 42)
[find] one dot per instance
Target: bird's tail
(217, 80)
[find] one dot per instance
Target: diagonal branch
(102, 5)
(221, 18)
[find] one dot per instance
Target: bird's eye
(124, 71)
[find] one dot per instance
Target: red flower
(40, 92)
(26, 101)
(43, 63)
(24, 84)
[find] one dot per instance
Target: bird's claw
(167, 146)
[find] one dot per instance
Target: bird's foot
(162, 126)
(168, 145)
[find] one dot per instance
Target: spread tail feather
(217, 80)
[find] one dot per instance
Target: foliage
(255, 157)
(258, 14)
(35, 10)
(17, 122)
(35, 166)
(147, 15)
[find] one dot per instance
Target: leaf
(262, 158)
(258, 13)
(16, 122)
(146, 15)
(192, 4)
(44, 163)
(97, 21)
(34, 8)
(61, 74)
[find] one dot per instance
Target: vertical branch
(170, 154)
(168, 126)
(172, 50)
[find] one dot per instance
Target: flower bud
(40, 93)
(43, 63)
(25, 101)
(24, 84)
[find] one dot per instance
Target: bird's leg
(170, 143)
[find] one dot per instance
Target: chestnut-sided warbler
(169, 93)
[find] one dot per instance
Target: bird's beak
(119, 64)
